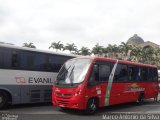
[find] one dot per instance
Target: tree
(84, 51)
(105, 51)
(144, 55)
(57, 46)
(136, 53)
(30, 45)
(70, 47)
(76, 52)
(113, 51)
(125, 47)
(97, 49)
(157, 57)
(147, 55)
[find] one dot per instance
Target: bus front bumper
(75, 102)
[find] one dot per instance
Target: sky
(83, 22)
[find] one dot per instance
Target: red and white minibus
(87, 83)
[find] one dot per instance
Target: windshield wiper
(60, 76)
(71, 78)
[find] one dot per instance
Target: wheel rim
(92, 106)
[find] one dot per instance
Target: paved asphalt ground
(49, 112)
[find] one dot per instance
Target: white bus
(27, 74)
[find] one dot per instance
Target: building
(138, 41)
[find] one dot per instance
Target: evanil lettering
(39, 80)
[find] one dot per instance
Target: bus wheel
(141, 99)
(3, 100)
(92, 106)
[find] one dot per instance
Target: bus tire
(3, 100)
(141, 99)
(92, 106)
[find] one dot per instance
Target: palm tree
(84, 51)
(125, 47)
(57, 46)
(76, 52)
(97, 49)
(70, 47)
(30, 45)
(136, 53)
(105, 51)
(112, 51)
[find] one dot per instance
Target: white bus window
(39, 62)
(1, 59)
(27, 60)
(15, 59)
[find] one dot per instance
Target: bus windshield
(73, 71)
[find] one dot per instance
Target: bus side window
(155, 74)
(94, 76)
(55, 63)
(139, 78)
(92, 80)
(134, 73)
(30, 61)
(7, 58)
(150, 74)
(104, 72)
(144, 74)
(1, 58)
(27, 60)
(15, 59)
(121, 73)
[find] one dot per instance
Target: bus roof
(34, 50)
(120, 61)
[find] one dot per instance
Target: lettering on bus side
(20, 80)
(33, 80)
(39, 80)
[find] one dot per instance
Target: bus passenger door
(97, 83)
(93, 87)
(117, 94)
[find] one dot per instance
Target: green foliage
(56, 45)
(85, 51)
(70, 47)
(30, 45)
(124, 51)
(97, 49)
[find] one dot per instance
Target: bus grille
(63, 99)
(63, 95)
(35, 96)
(62, 102)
